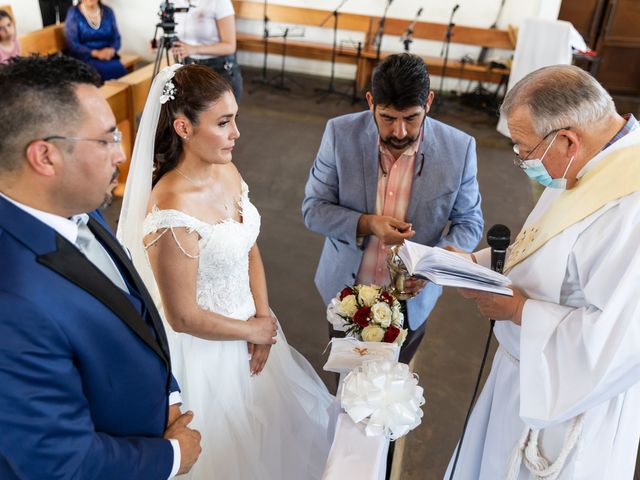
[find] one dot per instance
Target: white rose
(348, 306)
(381, 314)
(372, 333)
(401, 336)
(367, 294)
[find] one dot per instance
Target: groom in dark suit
(84, 364)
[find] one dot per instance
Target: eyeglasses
(519, 162)
(115, 140)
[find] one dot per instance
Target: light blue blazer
(444, 208)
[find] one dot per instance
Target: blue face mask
(536, 170)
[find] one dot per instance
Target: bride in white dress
(261, 409)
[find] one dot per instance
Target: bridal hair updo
(196, 88)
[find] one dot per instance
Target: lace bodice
(223, 269)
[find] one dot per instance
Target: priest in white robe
(562, 400)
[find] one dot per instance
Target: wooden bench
(366, 60)
(127, 97)
(138, 82)
(118, 96)
(51, 39)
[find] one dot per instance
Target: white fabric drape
(541, 43)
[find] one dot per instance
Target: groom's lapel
(116, 249)
(67, 261)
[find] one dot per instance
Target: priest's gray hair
(560, 96)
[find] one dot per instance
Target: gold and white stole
(616, 176)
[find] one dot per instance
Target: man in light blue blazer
(84, 361)
(351, 181)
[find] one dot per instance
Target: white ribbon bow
(385, 397)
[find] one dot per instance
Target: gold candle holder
(398, 273)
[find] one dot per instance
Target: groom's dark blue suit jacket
(84, 367)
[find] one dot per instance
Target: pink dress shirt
(395, 179)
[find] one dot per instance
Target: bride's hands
(262, 330)
(259, 355)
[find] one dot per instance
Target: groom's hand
(174, 413)
(388, 229)
(259, 355)
(188, 439)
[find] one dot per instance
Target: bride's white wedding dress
(272, 426)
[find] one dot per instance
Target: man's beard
(108, 197)
(398, 144)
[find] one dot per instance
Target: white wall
(27, 13)
(136, 20)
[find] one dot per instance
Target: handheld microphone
(498, 238)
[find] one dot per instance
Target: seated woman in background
(207, 36)
(93, 37)
(9, 46)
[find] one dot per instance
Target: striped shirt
(395, 180)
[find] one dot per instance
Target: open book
(450, 269)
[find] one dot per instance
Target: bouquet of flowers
(368, 312)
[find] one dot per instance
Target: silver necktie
(95, 252)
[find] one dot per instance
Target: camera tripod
(164, 46)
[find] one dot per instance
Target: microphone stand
(331, 89)
(498, 238)
(282, 76)
(380, 31)
(354, 96)
(263, 80)
(278, 80)
(407, 38)
(445, 51)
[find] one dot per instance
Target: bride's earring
(183, 131)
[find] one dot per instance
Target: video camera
(167, 22)
(167, 13)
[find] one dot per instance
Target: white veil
(138, 186)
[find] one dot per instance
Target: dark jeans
(227, 66)
(48, 10)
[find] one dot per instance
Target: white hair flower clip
(168, 92)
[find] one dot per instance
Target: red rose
(345, 292)
(386, 297)
(391, 334)
(361, 317)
